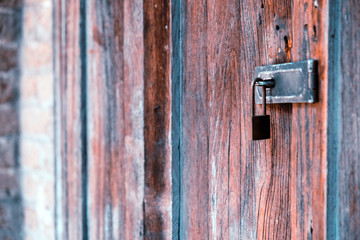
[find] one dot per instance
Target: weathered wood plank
(195, 141)
(233, 187)
(103, 107)
(177, 11)
(157, 113)
(347, 155)
(115, 119)
(223, 95)
(309, 122)
(334, 117)
(68, 62)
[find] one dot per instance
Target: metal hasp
(295, 82)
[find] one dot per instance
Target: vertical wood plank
(69, 121)
(273, 189)
(106, 115)
(177, 11)
(106, 120)
(195, 146)
(134, 112)
(309, 123)
(344, 121)
(223, 61)
(157, 113)
(334, 117)
(115, 103)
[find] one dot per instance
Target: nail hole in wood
(314, 28)
(277, 27)
(259, 19)
(286, 41)
(287, 47)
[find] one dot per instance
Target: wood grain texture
(176, 116)
(334, 120)
(157, 113)
(115, 119)
(232, 187)
(194, 207)
(348, 198)
(309, 122)
(114, 94)
(68, 62)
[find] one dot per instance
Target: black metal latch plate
(294, 82)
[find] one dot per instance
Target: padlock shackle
(253, 94)
(264, 83)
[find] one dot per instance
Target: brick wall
(36, 106)
(10, 198)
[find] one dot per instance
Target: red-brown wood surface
(68, 89)
(115, 86)
(117, 148)
(157, 59)
(232, 187)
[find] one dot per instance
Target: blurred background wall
(26, 118)
(11, 207)
(36, 107)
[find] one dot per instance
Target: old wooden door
(233, 187)
(154, 120)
